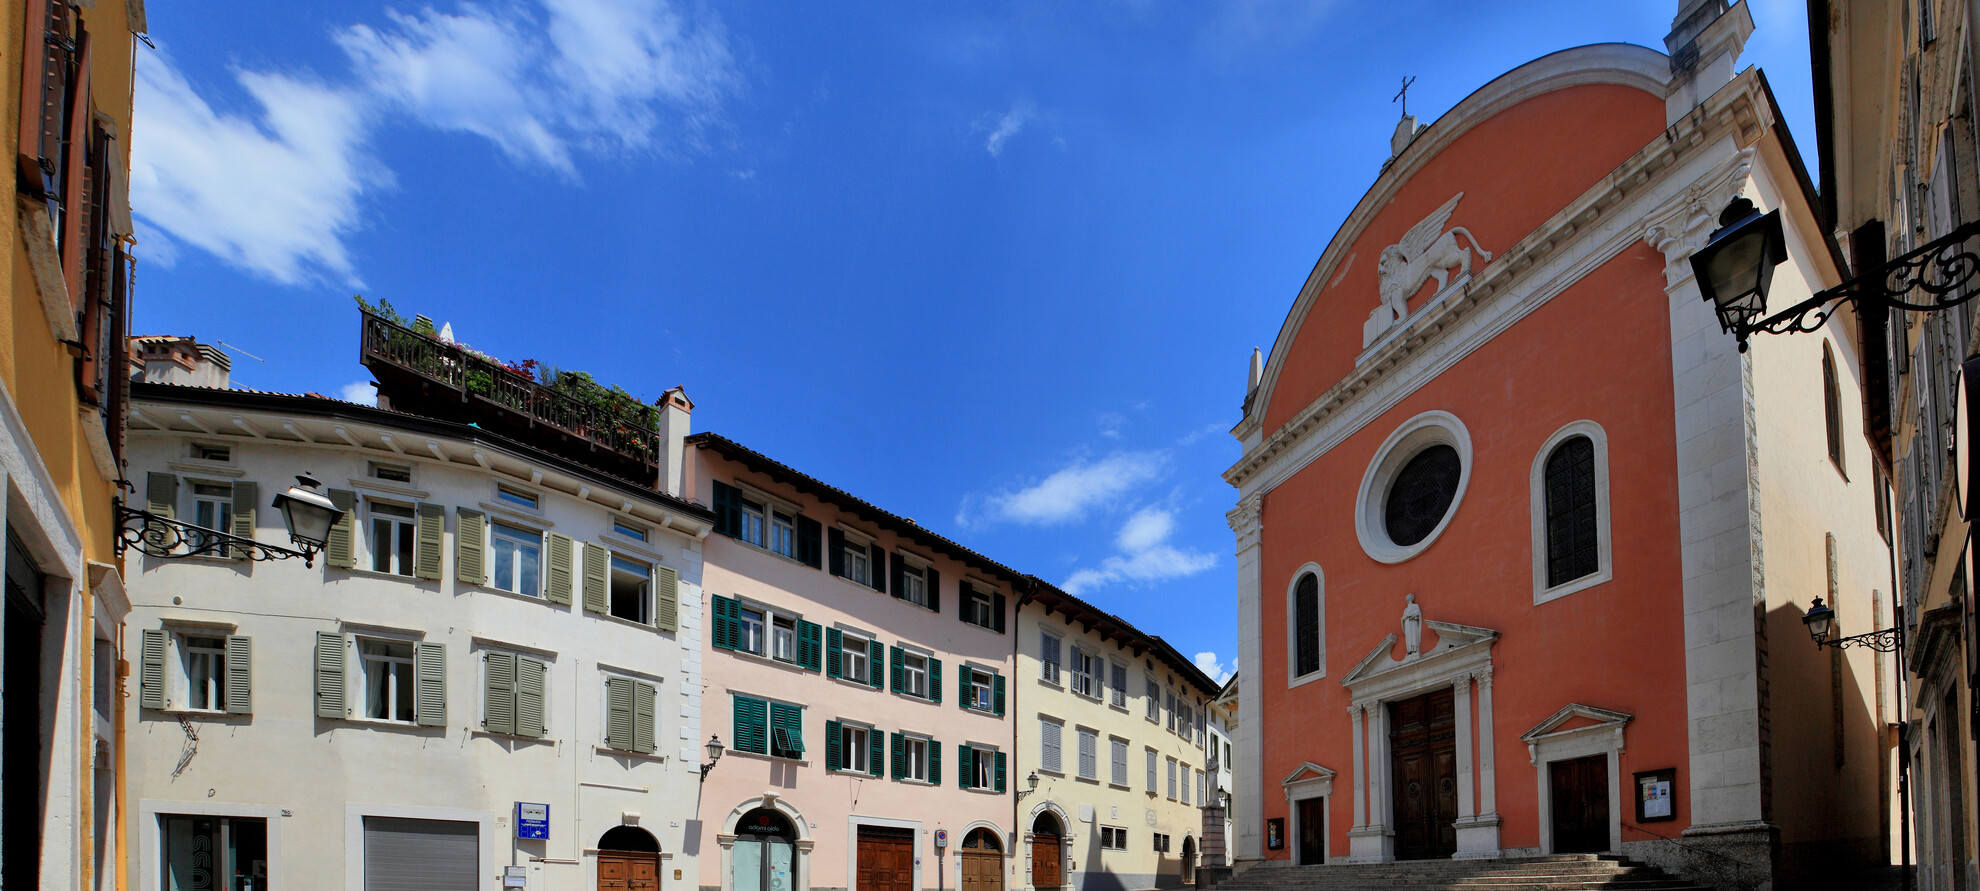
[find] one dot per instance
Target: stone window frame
(1371, 502)
(1605, 570)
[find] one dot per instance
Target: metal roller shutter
(421, 855)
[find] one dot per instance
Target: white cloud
(359, 391)
(1218, 671)
(1007, 125)
(1067, 494)
(1148, 528)
(1146, 556)
(274, 193)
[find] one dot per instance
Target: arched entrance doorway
(628, 860)
(1189, 861)
(1047, 852)
(762, 854)
(982, 862)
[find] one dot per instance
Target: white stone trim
(1066, 839)
(151, 843)
(1293, 679)
(1310, 780)
(355, 812)
(1544, 744)
(1416, 434)
(800, 846)
(854, 821)
(1605, 569)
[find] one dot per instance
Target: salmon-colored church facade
(1522, 556)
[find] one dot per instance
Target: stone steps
(1565, 872)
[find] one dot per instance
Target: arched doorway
(1189, 861)
(762, 854)
(1047, 852)
(628, 860)
(982, 862)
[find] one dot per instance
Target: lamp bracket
(1941, 269)
(156, 536)
(1889, 640)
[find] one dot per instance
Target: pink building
(857, 670)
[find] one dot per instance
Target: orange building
(1522, 557)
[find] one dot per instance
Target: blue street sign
(532, 820)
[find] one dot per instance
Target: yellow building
(62, 386)
(1112, 723)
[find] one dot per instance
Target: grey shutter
(421, 855)
(597, 578)
(644, 695)
(245, 496)
(1089, 761)
(1119, 775)
(876, 656)
(151, 668)
(430, 684)
(619, 713)
(1049, 735)
(240, 680)
(559, 575)
(329, 674)
(337, 549)
(161, 497)
(426, 541)
(499, 693)
(471, 546)
(666, 598)
(530, 675)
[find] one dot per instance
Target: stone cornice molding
(1246, 520)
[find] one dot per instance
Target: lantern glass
(308, 514)
(1820, 620)
(1736, 267)
(714, 749)
(1031, 782)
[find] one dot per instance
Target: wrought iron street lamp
(1735, 268)
(1030, 786)
(714, 750)
(1821, 622)
(307, 513)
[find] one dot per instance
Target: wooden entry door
(886, 859)
(1579, 793)
(625, 871)
(1046, 860)
(1312, 831)
(982, 871)
(1423, 752)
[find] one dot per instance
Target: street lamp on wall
(714, 750)
(305, 511)
(1030, 786)
(1736, 267)
(1821, 622)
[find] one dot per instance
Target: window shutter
(39, 61)
(834, 663)
(561, 568)
(896, 568)
(935, 680)
(161, 497)
(963, 591)
(724, 635)
(875, 751)
(752, 730)
(245, 495)
(728, 519)
(1048, 738)
(329, 675)
(899, 755)
(597, 566)
(1088, 758)
(835, 552)
(1151, 770)
(426, 541)
(997, 612)
(963, 772)
(934, 589)
(877, 574)
(1078, 669)
(337, 549)
(935, 762)
(1120, 684)
(619, 714)
(470, 546)
(74, 205)
(430, 684)
(834, 745)
(1000, 771)
(807, 638)
(1119, 758)
(962, 687)
(644, 696)
(876, 656)
(666, 597)
(240, 675)
(997, 694)
(530, 675)
(499, 693)
(897, 669)
(790, 719)
(151, 668)
(807, 530)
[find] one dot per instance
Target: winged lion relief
(1426, 251)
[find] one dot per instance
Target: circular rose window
(1422, 494)
(1413, 487)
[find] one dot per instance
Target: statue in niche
(1412, 621)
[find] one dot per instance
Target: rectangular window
(914, 758)
(1152, 787)
(1172, 779)
(782, 538)
(1154, 699)
(1089, 756)
(1085, 673)
(1050, 735)
(213, 508)
(1201, 790)
(914, 675)
(980, 690)
(783, 639)
(205, 452)
(631, 715)
(859, 563)
(1169, 708)
(914, 584)
(633, 532)
(1119, 761)
(750, 521)
(854, 658)
(1048, 656)
(978, 609)
(852, 747)
(632, 587)
(1120, 685)
(1162, 842)
(222, 853)
(1113, 839)
(391, 473)
(205, 663)
(983, 769)
(392, 536)
(516, 497)
(786, 730)
(387, 666)
(518, 559)
(749, 630)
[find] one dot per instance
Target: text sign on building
(532, 820)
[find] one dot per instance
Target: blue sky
(996, 267)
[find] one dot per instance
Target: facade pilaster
(1247, 523)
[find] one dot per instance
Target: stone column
(1488, 774)
(801, 865)
(1247, 522)
(728, 845)
(1360, 773)
(1477, 832)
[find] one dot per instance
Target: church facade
(1522, 557)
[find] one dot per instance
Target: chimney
(674, 411)
(1705, 41)
(178, 360)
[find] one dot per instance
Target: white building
(492, 625)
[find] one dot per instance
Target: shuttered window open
(246, 494)
(430, 684)
(471, 546)
(752, 725)
(329, 675)
(151, 668)
(339, 549)
(810, 637)
(597, 579)
(562, 571)
(666, 598)
(240, 680)
(161, 497)
(426, 543)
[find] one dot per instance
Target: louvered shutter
(934, 589)
(1000, 771)
(898, 760)
(1118, 749)
(896, 669)
(835, 552)
(161, 497)
(471, 546)
(1080, 684)
(875, 751)
(240, 675)
(728, 516)
(1152, 782)
(833, 661)
(151, 668)
(1049, 735)
(789, 719)
(644, 702)
(338, 548)
(935, 680)
(245, 496)
(75, 205)
(997, 694)
(935, 762)
(723, 637)
(962, 687)
(40, 59)
(896, 571)
(1048, 657)
(1089, 760)
(666, 598)
(530, 677)
(997, 612)
(963, 591)
(430, 684)
(876, 656)
(834, 745)
(499, 693)
(561, 574)
(808, 531)
(963, 772)
(1120, 684)
(427, 537)
(808, 634)
(752, 725)
(876, 573)
(619, 713)
(597, 578)
(329, 675)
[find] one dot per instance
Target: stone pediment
(1453, 642)
(1307, 771)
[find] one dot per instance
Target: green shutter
(426, 541)
(161, 497)
(499, 693)
(934, 590)
(876, 751)
(833, 642)
(644, 696)
(752, 730)
(898, 760)
(240, 675)
(876, 656)
(151, 668)
(962, 687)
(337, 549)
(470, 546)
(723, 635)
(560, 574)
(997, 694)
(530, 675)
(834, 751)
(808, 634)
(430, 684)
(896, 669)
(1000, 771)
(935, 680)
(790, 719)
(666, 598)
(245, 496)
(597, 578)
(935, 762)
(329, 674)
(728, 520)
(619, 713)
(963, 771)
(808, 547)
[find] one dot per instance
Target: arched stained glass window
(1306, 625)
(1572, 548)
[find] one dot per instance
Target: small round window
(1421, 494)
